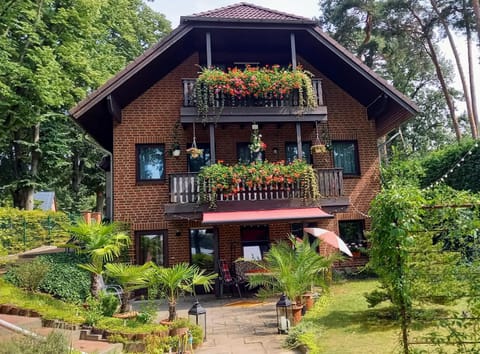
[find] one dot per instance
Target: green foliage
(179, 278)
(55, 343)
(65, 279)
(21, 230)
(29, 275)
(160, 345)
(93, 312)
(130, 326)
(293, 267)
(46, 305)
(53, 54)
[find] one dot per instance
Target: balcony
(185, 189)
(270, 109)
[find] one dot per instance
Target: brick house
(141, 112)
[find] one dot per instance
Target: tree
(292, 268)
(177, 279)
(53, 53)
(130, 277)
(102, 243)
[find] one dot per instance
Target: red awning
(228, 217)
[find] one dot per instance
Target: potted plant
(318, 148)
(175, 149)
(292, 268)
(195, 152)
(174, 280)
(264, 84)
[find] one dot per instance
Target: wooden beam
(294, 50)
(208, 40)
(114, 109)
(299, 140)
(212, 143)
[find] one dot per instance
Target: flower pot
(308, 299)
(297, 314)
(176, 152)
(178, 331)
(317, 149)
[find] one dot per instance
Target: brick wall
(151, 118)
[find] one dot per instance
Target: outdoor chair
(113, 289)
(226, 278)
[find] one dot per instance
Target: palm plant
(130, 277)
(177, 279)
(292, 268)
(102, 243)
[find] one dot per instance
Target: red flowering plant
(220, 179)
(214, 86)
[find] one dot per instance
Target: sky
(307, 8)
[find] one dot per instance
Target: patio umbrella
(329, 237)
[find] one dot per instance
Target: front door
(204, 249)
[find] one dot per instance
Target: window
(296, 230)
(150, 162)
(351, 232)
(345, 155)
(202, 248)
(151, 246)
(291, 152)
(194, 165)
(245, 156)
(255, 238)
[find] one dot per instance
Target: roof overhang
(98, 113)
(263, 216)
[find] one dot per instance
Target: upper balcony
(229, 108)
(185, 188)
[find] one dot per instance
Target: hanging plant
(319, 145)
(195, 152)
(256, 144)
(214, 86)
(231, 180)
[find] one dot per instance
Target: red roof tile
(246, 11)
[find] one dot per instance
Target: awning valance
(260, 216)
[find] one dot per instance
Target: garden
(68, 291)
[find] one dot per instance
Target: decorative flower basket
(195, 152)
(318, 149)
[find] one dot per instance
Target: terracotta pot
(297, 314)
(308, 299)
(178, 331)
(161, 333)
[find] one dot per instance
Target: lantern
(198, 315)
(284, 314)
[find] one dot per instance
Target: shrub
(21, 230)
(65, 279)
(56, 343)
(29, 275)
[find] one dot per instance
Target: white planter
(176, 153)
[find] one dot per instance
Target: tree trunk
(96, 285)
(125, 301)
(458, 62)
(443, 84)
(172, 310)
(100, 201)
(471, 69)
(476, 10)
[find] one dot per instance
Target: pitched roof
(246, 11)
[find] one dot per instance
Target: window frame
(308, 143)
(138, 245)
(252, 158)
(361, 239)
(138, 149)
(213, 231)
(356, 157)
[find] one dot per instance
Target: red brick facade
(151, 119)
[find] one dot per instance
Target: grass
(349, 326)
(341, 322)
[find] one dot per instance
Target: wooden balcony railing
(184, 188)
(229, 101)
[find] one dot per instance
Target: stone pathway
(236, 326)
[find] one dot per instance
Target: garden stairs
(34, 324)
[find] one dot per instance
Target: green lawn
(349, 326)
